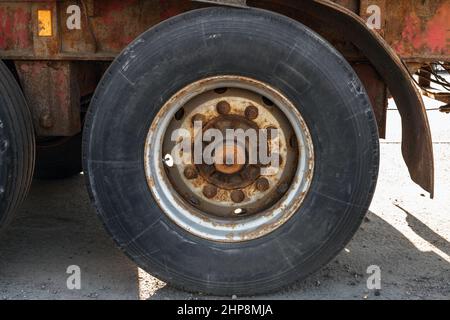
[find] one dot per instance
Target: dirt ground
(405, 233)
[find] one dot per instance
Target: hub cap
(235, 194)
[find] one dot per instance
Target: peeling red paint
(431, 36)
(438, 30)
(415, 30)
(116, 31)
(14, 28)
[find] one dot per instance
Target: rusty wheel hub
(246, 166)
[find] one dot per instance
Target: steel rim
(231, 204)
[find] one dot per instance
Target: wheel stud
(223, 107)
(190, 172)
(209, 191)
(251, 112)
(262, 184)
(237, 196)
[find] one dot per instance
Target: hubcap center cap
(230, 159)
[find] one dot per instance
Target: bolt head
(209, 191)
(190, 172)
(251, 112)
(237, 196)
(262, 184)
(223, 107)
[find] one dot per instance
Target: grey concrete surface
(405, 233)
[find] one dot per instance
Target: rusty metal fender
(417, 145)
(417, 148)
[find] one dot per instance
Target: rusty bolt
(190, 172)
(209, 191)
(237, 196)
(198, 118)
(262, 184)
(251, 112)
(46, 121)
(223, 107)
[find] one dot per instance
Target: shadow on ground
(57, 227)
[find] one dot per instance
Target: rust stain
(431, 36)
(14, 28)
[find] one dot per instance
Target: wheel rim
(241, 199)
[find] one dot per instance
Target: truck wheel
(58, 158)
(227, 229)
(16, 146)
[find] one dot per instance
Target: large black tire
(58, 158)
(16, 146)
(256, 44)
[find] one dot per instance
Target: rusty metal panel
(105, 27)
(374, 13)
(118, 22)
(419, 30)
(377, 91)
(47, 45)
(52, 91)
(15, 32)
(75, 27)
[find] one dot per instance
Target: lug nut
(262, 184)
(190, 172)
(198, 118)
(210, 191)
(223, 107)
(251, 112)
(237, 196)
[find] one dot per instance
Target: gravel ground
(405, 233)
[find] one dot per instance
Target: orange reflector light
(45, 28)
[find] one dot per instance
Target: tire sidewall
(6, 162)
(17, 148)
(285, 55)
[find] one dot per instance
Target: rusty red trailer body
(142, 96)
(60, 49)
